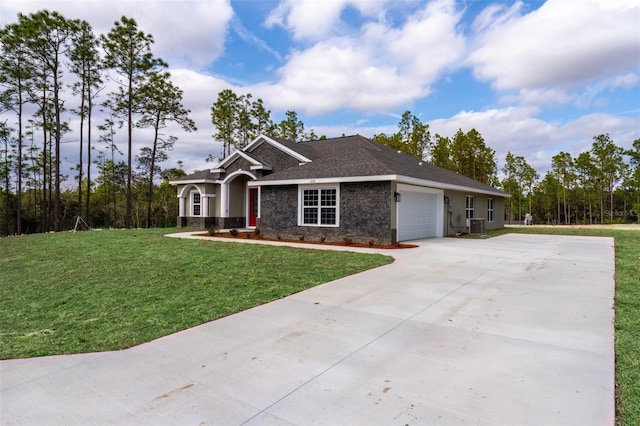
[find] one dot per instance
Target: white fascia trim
(261, 167)
(378, 178)
(262, 138)
(217, 170)
(322, 181)
(189, 182)
(235, 154)
(441, 185)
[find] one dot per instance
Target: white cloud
(516, 129)
(307, 19)
(561, 44)
(380, 68)
(186, 32)
(538, 97)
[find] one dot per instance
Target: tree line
(601, 185)
(55, 71)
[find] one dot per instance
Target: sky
(533, 77)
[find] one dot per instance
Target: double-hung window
(470, 207)
(319, 206)
(195, 203)
(490, 210)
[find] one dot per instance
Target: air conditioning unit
(476, 226)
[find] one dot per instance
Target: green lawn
(104, 290)
(627, 305)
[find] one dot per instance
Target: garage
(419, 213)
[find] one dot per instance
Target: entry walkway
(513, 330)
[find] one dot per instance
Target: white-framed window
(319, 206)
(490, 210)
(470, 207)
(195, 203)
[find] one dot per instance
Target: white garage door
(417, 216)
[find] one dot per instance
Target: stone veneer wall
(195, 222)
(206, 222)
(365, 214)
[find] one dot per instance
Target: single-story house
(335, 189)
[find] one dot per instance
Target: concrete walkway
(514, 330)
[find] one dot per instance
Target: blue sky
(533, 77)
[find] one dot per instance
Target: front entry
(253, 206)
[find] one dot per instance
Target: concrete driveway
(514, 330)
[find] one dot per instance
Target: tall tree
(414, 134)
(511, 182)
(413, 137)
(562, 166)
(49, 36)
(128, 53)
(5, 174)
(261, 118)
(440, 152)
(520, 178)
(161, 103)
(393, 141)
(634, 178)
(87, 65)
(472, 158)
(546, 196)
(16, 71)
(610, 166)
(291, 128)
(585, 172)
(238, 120)
(224, 118)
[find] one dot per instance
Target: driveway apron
(514, 330)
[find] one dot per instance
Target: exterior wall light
(397, 196)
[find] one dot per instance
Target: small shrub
(257, 232)
(279, 236)
(371, 242)
(301, 237)
(322, 238)
(248, 236)
(234, 232)
(347, 240)
(212, 230)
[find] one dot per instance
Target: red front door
(253, 206)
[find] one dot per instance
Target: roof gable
(283, 145)
(234, 156)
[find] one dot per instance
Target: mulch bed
(253, 236)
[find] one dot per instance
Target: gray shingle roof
(356, 155)
(197, 175)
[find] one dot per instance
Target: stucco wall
(455, 221)
(365, 213)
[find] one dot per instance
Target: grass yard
(96, 291)
(627, 305)
(104, 290)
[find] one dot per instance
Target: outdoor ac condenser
(476, 226)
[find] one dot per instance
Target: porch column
(224, 200)
(205, 206)
(181, 206)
